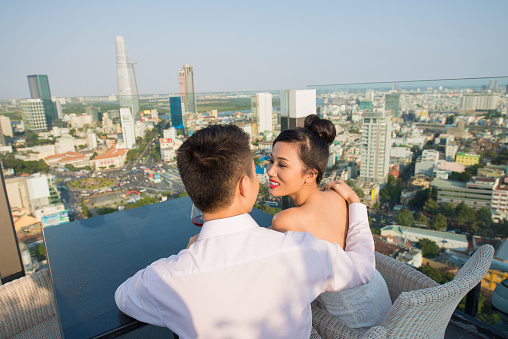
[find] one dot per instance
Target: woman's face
(285, 170)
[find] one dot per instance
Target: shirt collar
(218, 227)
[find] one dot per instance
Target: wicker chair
(421, 307)
(27, 308)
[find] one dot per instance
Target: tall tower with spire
(186, 80)
(127, 87)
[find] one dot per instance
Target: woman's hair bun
(321, 127)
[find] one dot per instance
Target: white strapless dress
(361, 307)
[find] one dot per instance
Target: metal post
(473, 300)
(11, 264)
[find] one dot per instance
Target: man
(239, 280)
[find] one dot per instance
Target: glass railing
(82, 167)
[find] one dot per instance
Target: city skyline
(297, 45)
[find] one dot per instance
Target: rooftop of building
(111, 153)
(65, 156)
(463, 154)
(448, 184)
(424, 232)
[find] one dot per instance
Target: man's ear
(243, 186)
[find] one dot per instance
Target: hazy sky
(240, 45)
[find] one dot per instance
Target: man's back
(238, 281)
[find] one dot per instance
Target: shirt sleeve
(354, 265)
(133, 298)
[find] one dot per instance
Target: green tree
(465, 212)
(490, 154)
(438, 223)
(460, 176)
(183, 194)
(436, 275)
(484, 217)
(41, 252)
(375, 230)
(422, 219)
(106, 210)
(431, 206)
(429, 248)
(267, 209)
(405, 218)
(447, 209)
(142, 202)
(359, 192)
(71, 168)
(419, 200)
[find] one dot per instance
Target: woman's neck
(306, 193)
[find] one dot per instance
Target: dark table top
(90, 258)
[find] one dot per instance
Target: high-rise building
(370, 94)
(5, 124)
(187, 92)
(392, 102)
(34, 115)
(376, 145)
(57, 108)
(295, 106)
(39, 89)
(94, 112)
(175, 104)
(128, 127)
(479, 102)
(91, 141)
(127, 87)
(261, 108)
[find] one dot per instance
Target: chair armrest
(26, 302)
(400, 277)
(330, 327)
(376, 332)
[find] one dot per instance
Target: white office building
(34, 115)
(128, 127)
(261, 108)
(295, 106)
(91, 141)
(376, 146)
(5, 124)
(64, 145)
(170, 133)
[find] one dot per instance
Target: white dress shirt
(239, 280)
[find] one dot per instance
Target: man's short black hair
(211, 162)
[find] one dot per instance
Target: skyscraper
(175, 104)
(39, 89)
(128, 127)
(261, 108)
(392, 102)
(127, 87)
(186, 80)
(34, 115)
(376, 146)
(295, 106)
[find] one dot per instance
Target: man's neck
(225, 213)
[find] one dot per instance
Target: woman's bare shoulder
(335, 199)
(288, 220)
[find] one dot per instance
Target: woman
(297, 164)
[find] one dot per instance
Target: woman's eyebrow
(282, 158)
